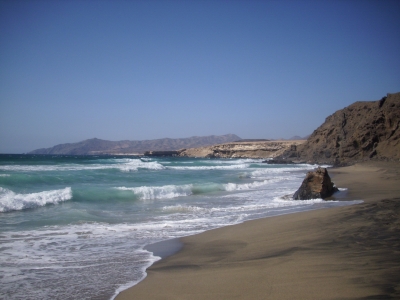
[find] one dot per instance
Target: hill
(97, 146)
(364, 130)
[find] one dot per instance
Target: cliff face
(257, 149)
(361, 131)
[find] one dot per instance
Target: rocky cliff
(98, 146)
(243, 149)
(362, 131)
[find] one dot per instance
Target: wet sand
(350, 252)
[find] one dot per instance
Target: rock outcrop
(317, 184)
(162, 153)
(362, 131)
(240, 149)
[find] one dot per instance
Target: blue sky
(135, 70)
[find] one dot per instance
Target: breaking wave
(159, 192)
(173, 191)
(124, 165)
(10, 201)
(245, 186)
(196, 168)
(136, 164)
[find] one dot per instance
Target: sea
(76, 227)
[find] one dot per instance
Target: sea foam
(199, 168)
(173, 191)
(10, 201)
(160, 192)
(136, 164)
(125, 165)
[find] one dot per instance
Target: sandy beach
(350, 252)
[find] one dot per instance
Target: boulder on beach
(317, 184)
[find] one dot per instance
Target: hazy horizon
(144, 70)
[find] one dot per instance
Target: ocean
(75, 227)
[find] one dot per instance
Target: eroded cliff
(240, 149)
(362, 131)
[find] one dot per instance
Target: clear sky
(135, 70)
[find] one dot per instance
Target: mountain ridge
(95, 146)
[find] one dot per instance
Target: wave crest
(199, 168)
(10, 201)
(160, 192)
(173, 191)
(125, 165)
(136, 164)
(229, 187)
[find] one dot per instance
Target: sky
(139, 70)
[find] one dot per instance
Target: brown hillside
(362, 131)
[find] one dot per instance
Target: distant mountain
(252, 140)
(97, 146)
(296, 137)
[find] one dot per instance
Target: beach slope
(350, 252)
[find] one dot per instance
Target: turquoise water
(76, 227)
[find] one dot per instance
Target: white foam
(4, 175)
(173, 191)
(198, 168)
(133, 283)
(233, 161)
(160, 192)
(136, 164)
(125, 165)
(47, 168)
(11, 201)
(184, 209)
(244, 186)
(269, 171)
(146, 159)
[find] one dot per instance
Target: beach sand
(350, 252)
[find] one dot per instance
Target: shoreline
(166, 248)
(325, 253)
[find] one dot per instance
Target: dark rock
(373, 153)
(278, 162)
(382, 101)
(317, 184)
(161, 153)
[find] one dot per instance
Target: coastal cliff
(243, 149)
(362, 131)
